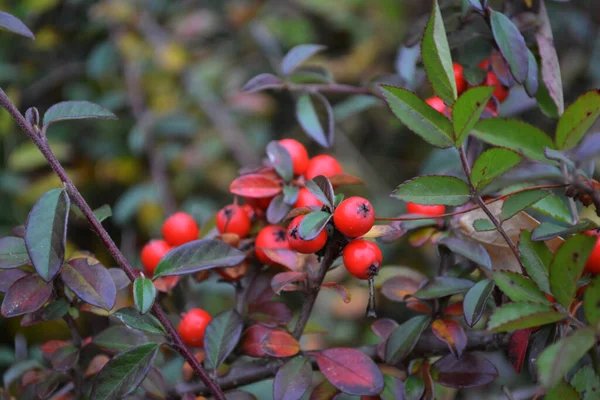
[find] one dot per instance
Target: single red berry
(192, 327)
(307, 199)
(259, 203)
(298, 153)
(354, 216)
(362, 258)
(485, 64)
(459, 77)
(437, 104)
(304, 246)
(430, 211)
(152, 253)
(270, 237)
(233, 219)
(501, 92)
(324, 165)
(250, 211)
(180, 228)
(593, 262)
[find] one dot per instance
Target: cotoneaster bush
(517, 272)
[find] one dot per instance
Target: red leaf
(293, 379)
(96, 364)
(419, 306)
(383, 327)
(260, 290)
(339, 289)
(273, 313)
(284, 257)
(351, 371)
(252, 339)
(517, 348)
(279, 344)
(10, 276)
(300, 211)
(284, 281)
(324, 391)
(26, 295)
(255, 186)
(454, 309)
(345, 179)
(398, 287)
(451, 332)
(471, 370)
(52, 345)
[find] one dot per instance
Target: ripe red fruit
(259, 203)
(485, 64)
(500, 91)
(192, 327)
(459, 77)
(354, 216)
(250, 211)
(233, 219)
(362, 258)
(437, 104)
(307, 199)
(270, 237)
(298, 153)
(324, 165)
(431, 211)
(593, 263)
(304, 246)
(152, 253)
(180, 228)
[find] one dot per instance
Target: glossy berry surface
(307, 199)
(298, 153)
(324, 165)
(233, 219)
(500, 92)
(304, 246)
(180, 228)
(354, 216)
(459, 77)
(431, 211)
(270, 237)
(152, 253)
(593, 263)
(362, 258)
(192, 327)
(437, 104)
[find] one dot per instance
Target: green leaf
(103, 212)
(562, 391)
(443, 286)
(532, 82)
(297, 55)
(554, 207)
(281, 160)
(514, 316)
(419, 117)
(577, 119)
(483, 225)
(469, 249)
(536, 258)
(127, 338)
(198, 255)
(520, 201)
(491, 164)
(76, 110)
(414, 387)
(586, 382)
(512, 45)
(567, 266)
(468, 109)
(591, 303)
(519, 288)
(312, 224)
(554, 362)
(124, 373)
(322, 189)
(404, 338)
(133, 319)
(433, 190)
(13, 252)
(475, 301)
(221, 336)
(46, 233)
(144, 293)
(516, 135)
(548, 230)
(436, 57)
(307, 117)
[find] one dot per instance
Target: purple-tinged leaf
(404, 338)
(10, 276)
(239, 395)
(67, 110)
(144, 293)
(293, 379)
(298, 55)
(351, 371)
(13, 252)
(221, 336)
(383, 327)
(443, 286)
(49, 384)
(277, 209)
(451, 332)
(324, 391)
(471, 370)
(26, 295)
(91, 283)
(339, 289)
(155, 385)
(271, 312)
(470, 250)
(511, 44)
(46, 233)
(15, 25)
(262, 82)
(532, 82)
(281, 160)
(119, 277)
(307, 116)
(65, 358)
(282, 280)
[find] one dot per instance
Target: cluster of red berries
(491, 79)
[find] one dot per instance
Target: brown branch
(42, 144)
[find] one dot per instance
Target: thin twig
(76, 197)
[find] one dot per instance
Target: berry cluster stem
(42, 144)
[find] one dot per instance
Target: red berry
(260, 203)
(307, 199)
(233, 219)
(180, 228)
(322, 165)
(298, 153)
(152, 253)
(461, 83)
(431, 211)
(270, 237)
(304, 246)
(500, 91)
(485, 64)
(192, 327)
(550, 298)
(354, 216)
(492, 108)
(593, 263)
(250, 211)
(437, 104)
(362, 258)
